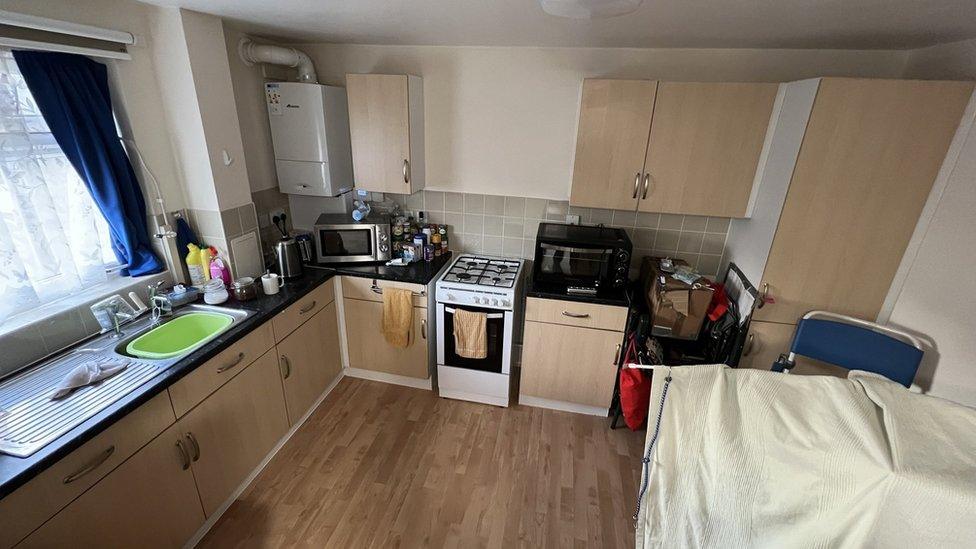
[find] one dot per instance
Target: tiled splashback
(507, 225)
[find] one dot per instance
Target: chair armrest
(783, 364)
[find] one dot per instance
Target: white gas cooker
(483, 281)
(488, 285)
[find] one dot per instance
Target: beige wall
(932, 295)
(503, 120)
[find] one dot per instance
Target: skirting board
(394, 379)
(257, 470)
(537, 402)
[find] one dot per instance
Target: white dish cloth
(86, 374)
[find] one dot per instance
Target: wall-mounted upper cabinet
(674, 147)
(386, 124)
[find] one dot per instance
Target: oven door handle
(490, 315)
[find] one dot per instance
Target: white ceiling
(869, 24)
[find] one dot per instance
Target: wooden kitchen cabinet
(569, 365)
(47, 493)
(611, 141)
(368, 349)
(704, 147)
(309, 361)
(870, 154)
(386, 126)
(231, 431)
(148, 501)
(674, 147)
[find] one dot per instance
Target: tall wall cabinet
(847, 180)
(674, 147)
(386, 126)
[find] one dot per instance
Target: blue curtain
(72, 93)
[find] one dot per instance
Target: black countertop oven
(583, 259)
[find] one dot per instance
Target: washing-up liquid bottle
(205, 257)
(195, 266)
(218, 269)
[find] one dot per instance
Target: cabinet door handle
(762, 295)
(647, 183)
(636, 184)
(750, 343)
(308, 308)
(576, 315)
(184, 455)
(616, 356)
(423, 328)
(194, 446)
(286, 367)
(91, 465)
(225, 367)
(406, 171)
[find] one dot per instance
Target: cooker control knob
(506, 303)
(494, 302)
(477, 299)
(450, 297)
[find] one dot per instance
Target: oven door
(498, 335)
(346, 243)
(572, 265)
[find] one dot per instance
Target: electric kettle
(289, 258)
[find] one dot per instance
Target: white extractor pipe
(252, 52)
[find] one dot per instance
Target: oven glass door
(346, 242)
(572, 265)
(495, 328)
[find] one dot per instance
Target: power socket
(273, 213)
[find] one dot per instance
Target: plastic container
(195, 266)
(214, 292)
(218, 269)
(181, 295)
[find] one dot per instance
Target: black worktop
(15, 471)
(420, 272)
(619, 297)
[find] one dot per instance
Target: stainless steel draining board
(29, 419)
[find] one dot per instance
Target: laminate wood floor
(380, 465)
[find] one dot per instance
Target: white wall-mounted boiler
(310, 132)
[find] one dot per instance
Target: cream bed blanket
(750, 458)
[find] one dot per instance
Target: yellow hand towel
(397, 316)
(470, 334)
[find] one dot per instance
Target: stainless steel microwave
(339, 239)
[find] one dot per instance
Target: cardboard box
(677, 309)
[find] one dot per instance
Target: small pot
(245, 289)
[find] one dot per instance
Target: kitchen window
(54, 242)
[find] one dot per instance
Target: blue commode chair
(854, 344)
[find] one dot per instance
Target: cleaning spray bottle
(195, 266)
(218, 269)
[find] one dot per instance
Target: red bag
(635, 391)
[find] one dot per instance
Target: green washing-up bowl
(179, 336)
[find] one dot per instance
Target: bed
(751, 458)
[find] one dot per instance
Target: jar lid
(243, 282)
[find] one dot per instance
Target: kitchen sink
(30, 419)
(179, 336)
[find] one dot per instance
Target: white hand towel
(86, 374)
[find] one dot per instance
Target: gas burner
(463, 276)
(484, 271)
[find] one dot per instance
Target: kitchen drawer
(305, 308)
(573, 313)
(198, 384)
(361, 288)
(47, 493)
